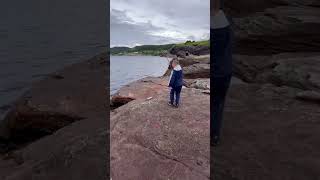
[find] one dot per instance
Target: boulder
(181, 54)
(198, 70)
(277, 30)
(298, 70)
(190, 60)
(198, 83)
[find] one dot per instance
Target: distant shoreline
(135, 55)
(155, 50)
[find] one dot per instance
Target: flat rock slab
(151, 140)
(201, 83)
(268, 134)
(76, 151)
(204, 83)
(299, 70)
(189, 60)
(311, 96)
(141, 89)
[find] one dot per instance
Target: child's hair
(175, 60)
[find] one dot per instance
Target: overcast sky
(138, 22)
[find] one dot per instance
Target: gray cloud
(158, 22)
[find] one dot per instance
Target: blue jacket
(176, 78)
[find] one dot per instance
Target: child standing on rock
(175, 82)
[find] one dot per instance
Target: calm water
(126, 69)
(40, 37)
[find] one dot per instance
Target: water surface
(41, 37)
(126, 69)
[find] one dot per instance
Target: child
(175, 82)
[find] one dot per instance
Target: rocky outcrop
(198, 83)
(248, 7)
(151, 140)
(58, 130)
(289, 69)
(204, 83)
(279, 29)
(190, 60)
(141, 89)
(183, 51)
(197, 71)
(194, 67)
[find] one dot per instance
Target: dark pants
(221, 73)
(175, 91)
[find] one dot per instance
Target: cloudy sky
(138, 22)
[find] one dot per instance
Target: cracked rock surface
(151, 140)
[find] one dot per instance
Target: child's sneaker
(170, 104)
(176, 105)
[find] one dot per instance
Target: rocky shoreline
(172, 143)
(271, 125)
(58, 129)
(145, 129)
